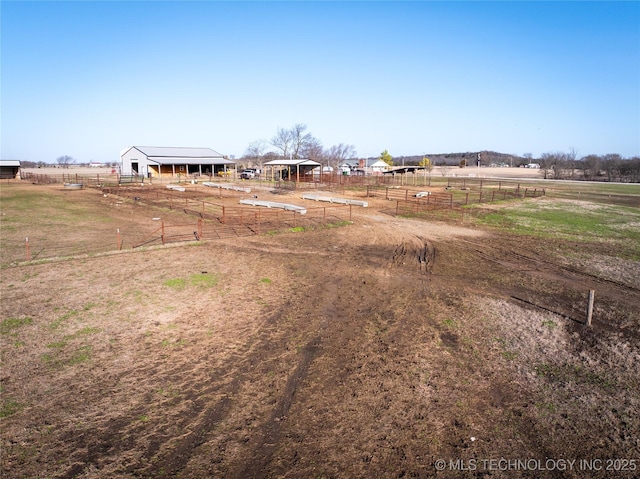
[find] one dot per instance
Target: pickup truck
(248, 174)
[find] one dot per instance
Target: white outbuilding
(159, 161)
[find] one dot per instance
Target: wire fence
(196, 226)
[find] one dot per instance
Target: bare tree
(313, 150)
(611, 164)
(557, 164)
(339, 153)
(255, 152)
(630, 170)
(590, 166)
(295, 142)
(283, 141)
(65, 161)
(302, 142)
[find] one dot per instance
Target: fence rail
(238, 221)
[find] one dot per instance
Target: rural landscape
(400, 339)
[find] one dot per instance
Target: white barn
(159, 161)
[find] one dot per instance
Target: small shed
(298, 169)
(159, 161)
(9, 169)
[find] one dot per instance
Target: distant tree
(546, 165)
(463, 163)
(427, 164)
(302, 142)
(283, 141)
(590, 166)
(611, 166)
(630, 170)
(255, 152)
(556, 165)
(386, 157)
(339, 153)
(295, 142)
(312, 148)
(65, 161)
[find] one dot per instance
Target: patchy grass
(203, 280)
(175, 283)
(200, 280)
(10, 325)
(8, 407)
(568, 220)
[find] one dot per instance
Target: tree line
(296, 142)
(612, 167)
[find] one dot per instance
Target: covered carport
(299, 169)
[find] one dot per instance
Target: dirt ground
(377, 349)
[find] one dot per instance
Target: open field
(373, 349)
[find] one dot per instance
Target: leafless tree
(65, 161)
(611, 165)
(556, 165)
(283, 141)
(296, 141)
(339, 153)
(590, 166)
(313, 150)
(255, 152)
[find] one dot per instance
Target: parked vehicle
(249, 174)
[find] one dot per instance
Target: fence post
(119, 240)
(28, 249)
(162, 233)
(199, 228)
(590, 306)
(493, 195)
(350, 206)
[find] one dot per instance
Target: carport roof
(9, 162)
(293, 162)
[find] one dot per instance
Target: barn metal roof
(177, 152)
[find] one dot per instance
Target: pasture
(373, 345)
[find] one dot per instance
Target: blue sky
(88, 79)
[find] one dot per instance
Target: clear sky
(87, 79)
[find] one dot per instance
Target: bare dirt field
(390, 347)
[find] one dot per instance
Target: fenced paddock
(190, 220)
